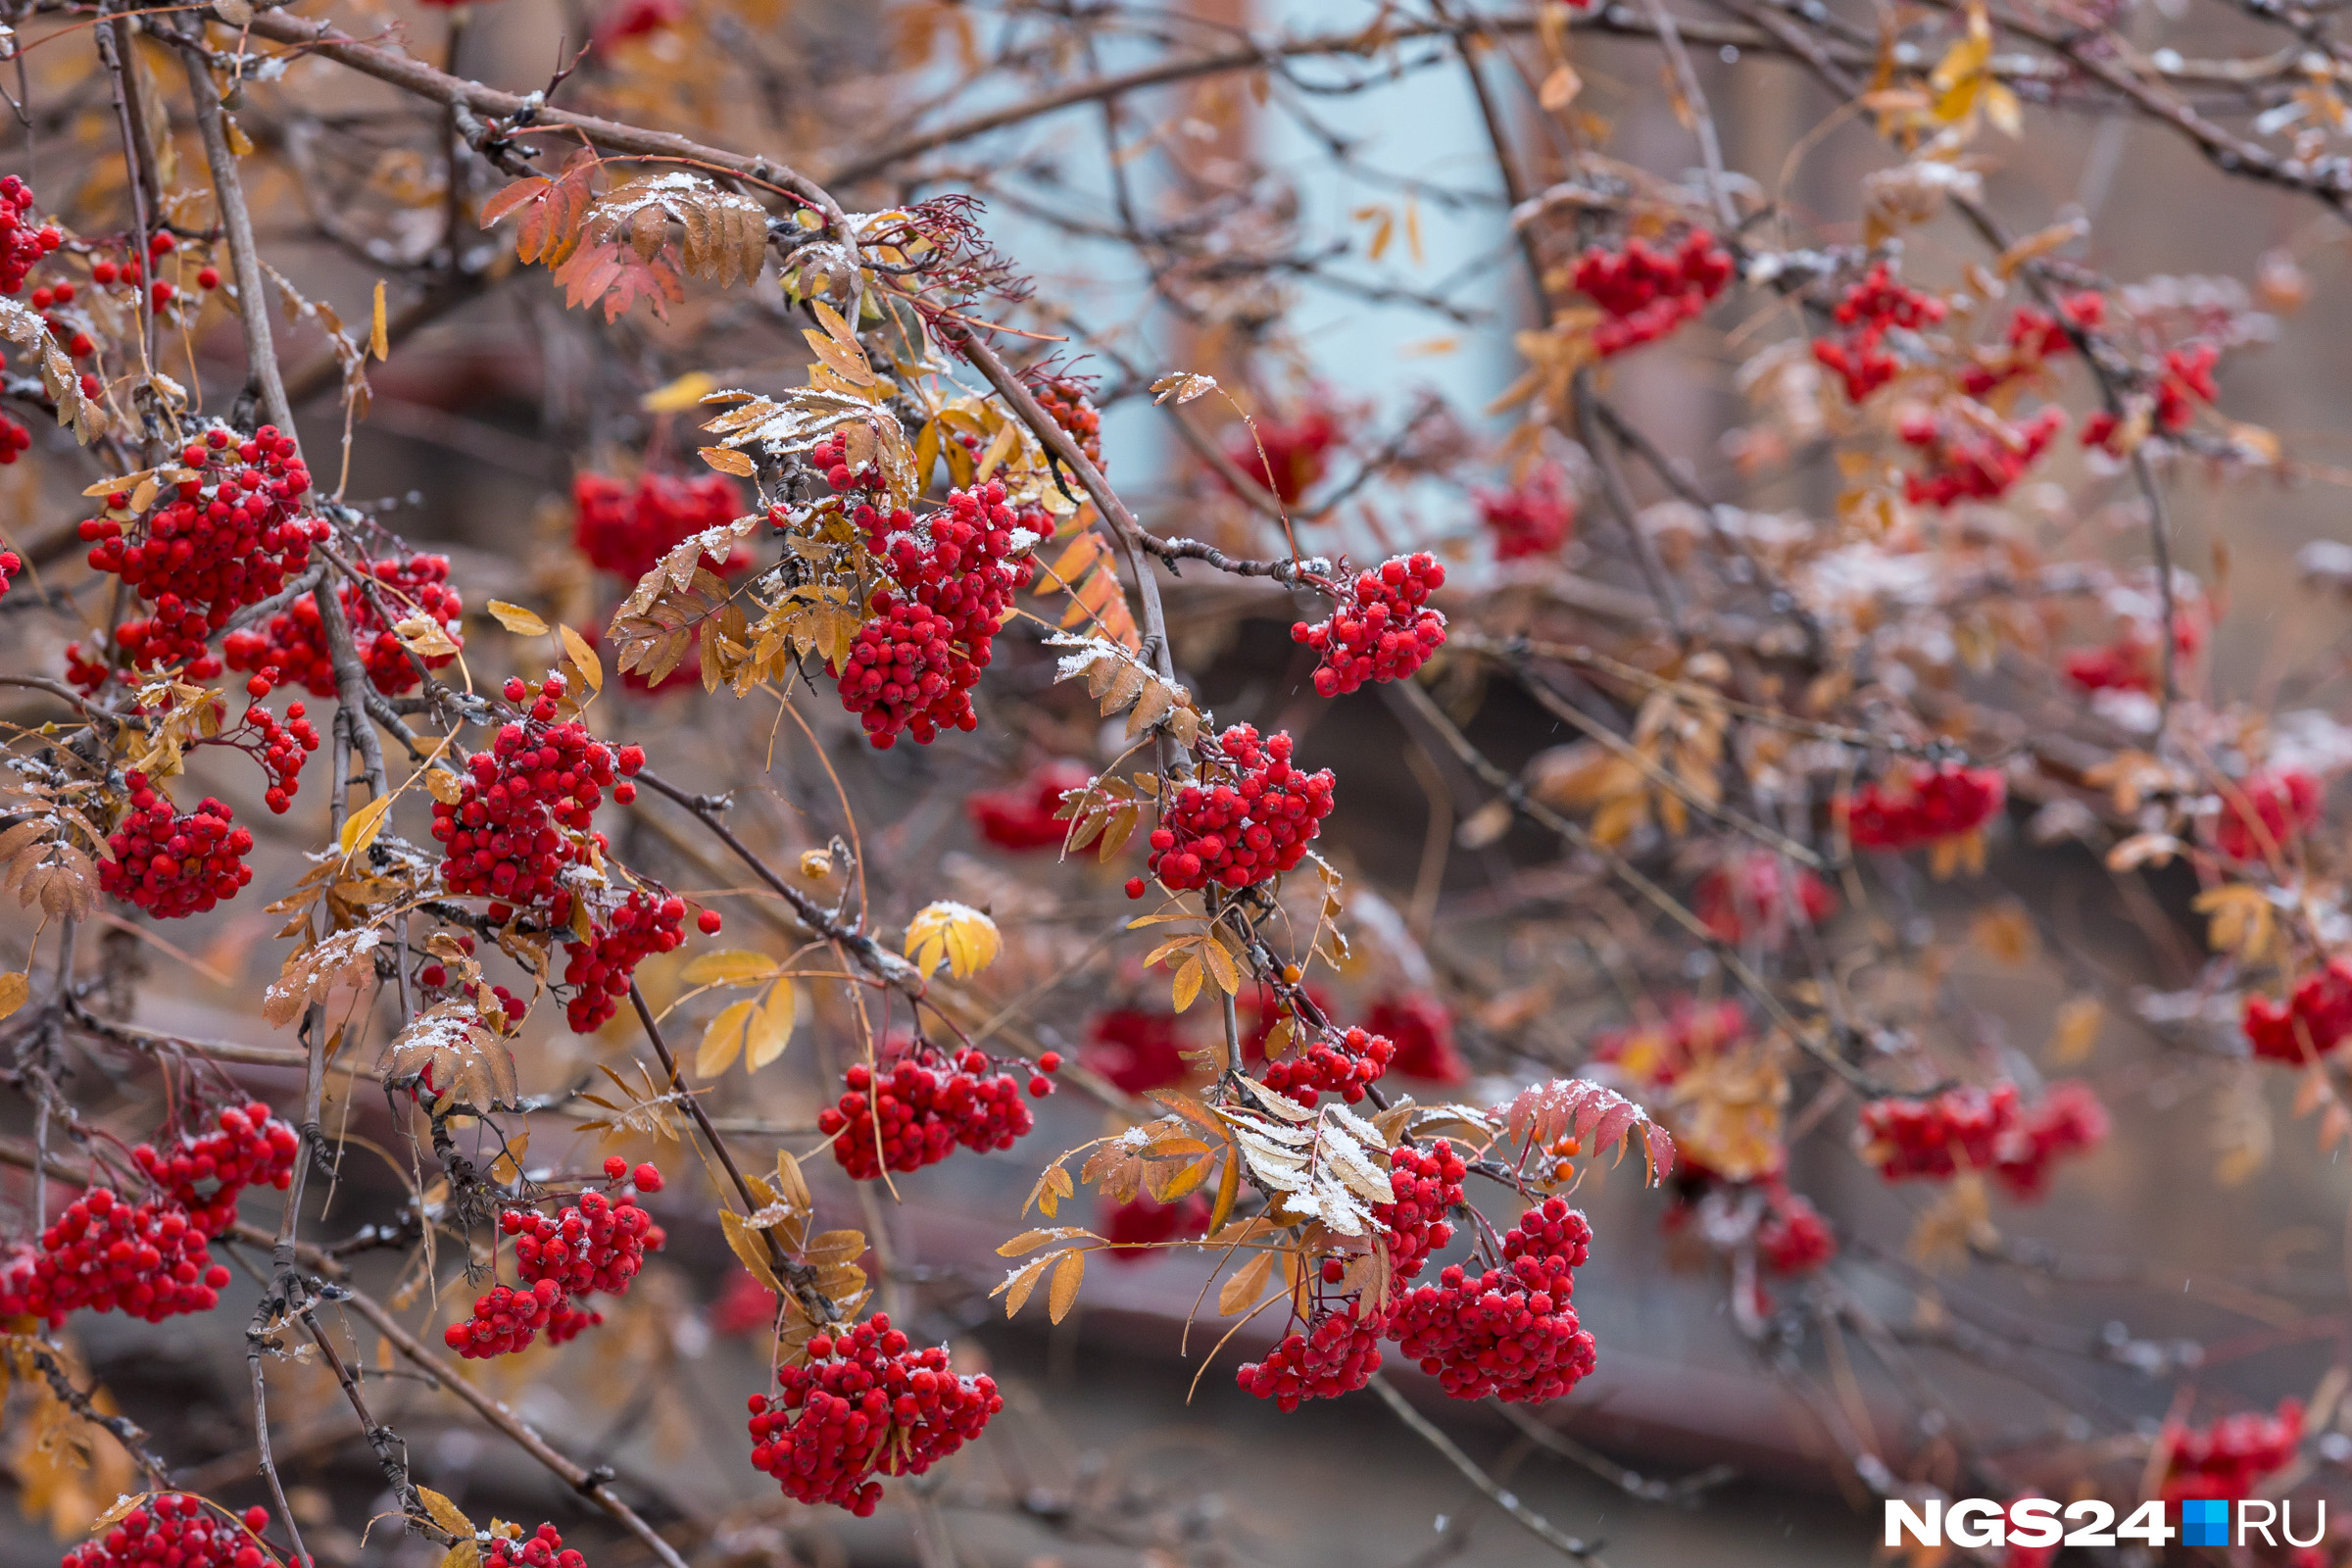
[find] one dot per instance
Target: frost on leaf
(311, 975)
(450, 1054)
(1597, 1116)
(1331, 1167)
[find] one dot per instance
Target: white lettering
(2246, 1520)
(2034, 1522)
(2286, 1524)
(1977, 1522)
(1928, 1532)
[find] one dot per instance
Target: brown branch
(1534, 1523)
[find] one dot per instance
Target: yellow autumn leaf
(517, 620)
(362, 826)
(771, 1027)
(957, 934)
(582, 655)
(15, 987)
(724, 1041)
(731, 967)
(680, 395)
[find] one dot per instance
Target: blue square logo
(2205, 1522)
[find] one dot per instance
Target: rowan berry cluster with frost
(865, 1404)
(175, 864)
(596, 1243)
(23, 243)
(105, 1253)
(1428, 1184)
(289, 649)
(175, 1530)
(927, 637)
(922, 1105)
(1248, 817)
(1387, 633)
(1343, 1062)
(1923, 806)
(1645, 293)
(2034, 338)
(542, 1548)
(1337, 1354)
(228, 536)
(1533, 518)
(204, 1173)
(1857, 353)
(1509, 1332)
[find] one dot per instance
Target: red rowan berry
(1645, 294)
(247, 1147)
(290, 648)
(922, 1102)
(1337, 1354)
(707, 921)
(1385, 634)
(2318, 1009)
(1423, 1033)
(1926, 806)
(175, 1530)
(1756, 896)
(1248, 818)
(543, 1549)
(2283, 803)
(1509, 1332)
(104, 1254)
(864, 1404)
(2231, 1458)
(1534, 518)
(174, 864)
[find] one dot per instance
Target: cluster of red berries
(2068, 1121)
(1337, 1354)
(22, 245)
(2186, 381)
(2234, 1455)
(1068, 400)
(247, 1147)
(147, 1259)
(598, 1244)
(926, 640)
(434, 976)
(865, 1403)
(1509, 1332)
(636, 19)
(1428, 1184)
(1792, 1238)
(1858, 354)
(619, 939)
(1343, 1065)
(1656, 1054)
(2320, 1008)
(1756, 896)
(15, 442)
(2034, 338)
(10, 562)
(525, 810)
(1985, 1130)
(625, 528)
(543, 1549)
(290, 648)
(1923, 807)
(230, 536)
(2134, 661)
(1136, 1051)
(1289, 456)
(1422, 1031)
(2265, 812)
(175, 1531)
(1388, 632)
(1532, 518)
(173, 864)
(131, 275)
(1969, 461)
(1248, 818)
(1025, 817)
(1139, 1225)
(279, 748)
(1646, 293)
(922, 1106)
